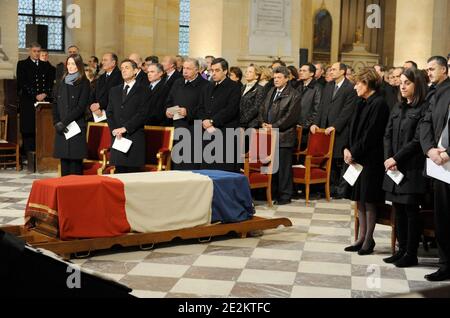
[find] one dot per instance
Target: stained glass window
(48, 12)
(185, 19)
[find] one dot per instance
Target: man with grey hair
(170, 67)
(34, 84)
(185, 94)
(281, 110)
(156, 95)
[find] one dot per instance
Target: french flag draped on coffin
(77, 207)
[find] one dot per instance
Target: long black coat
(435, 119)
(103, 85)
(220, 103)
(250, 104)
(285, 113)
(32, 80)
(311, 96)
(337, 112)
(170, 81)
(155, 100)
(142, 79)
(401, 142)
(70, 105)
(365, 142)
(186, 96)
(131, 114)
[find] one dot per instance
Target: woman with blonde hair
(252, 97)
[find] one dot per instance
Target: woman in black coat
(252, 98)
(71, 102)
(365, 147)
(402, 152)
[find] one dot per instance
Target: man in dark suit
(281, 110)
(44, 58)
(320, 74)
(126, 114)
(34, 84)
(141, 77)
(219, 110)
(155, 96)
(185, 93)
(109, 79)
(335, 112)
(311, 93)
(170, 68)
(434, 138)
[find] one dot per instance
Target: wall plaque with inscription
(270, 27)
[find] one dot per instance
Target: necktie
(277, 95)
(269, 112)
(125, 92)
(445, 133)
(336, 88)
(36, 62)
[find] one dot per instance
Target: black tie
(336, 88)
(125, 92)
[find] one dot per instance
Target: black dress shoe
(367, 251)
(438, 276)
(283, 202)
(353, 248)
(394, 258)
(407, 261)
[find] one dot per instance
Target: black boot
(394, 258)
(407, 261)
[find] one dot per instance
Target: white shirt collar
(169, 75)
(153, 84)
(340, 84)
(130, 85)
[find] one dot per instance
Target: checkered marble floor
(306, 260)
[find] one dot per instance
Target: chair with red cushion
(9, 151)
(258, 165)
(317, 167)
(159, 144)
(98, 145)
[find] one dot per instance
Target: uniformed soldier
(34, 84)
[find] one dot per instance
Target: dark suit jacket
(103, 85)
(155, 103)
(337, 112)
(402, 142)
(175, 76)
(250, 104)
(435, 118)
(142, 79)
(187, 96)
(285, 112)
(221, 104)
(131, 114)
(70, 105)
(310, 101)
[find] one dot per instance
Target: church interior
(303, 258)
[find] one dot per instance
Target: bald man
(141, 77)
(170, 68)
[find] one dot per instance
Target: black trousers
(121, 169)
(408, 224)
(29, 143)
(71, 167)
(282, 181)
(442, 221)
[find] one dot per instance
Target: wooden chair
(9, 152)
(385, 216)
(98, 145)
(298, 150)
(159, 144)
(259, 170)
(317, 167)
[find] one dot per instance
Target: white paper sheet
(352, 174)
(122, 144)
(74, 130)
(211, 130)
(174, 111)
(396, 176)
(441, 173)
(37, 104)
(3, 141)
(299, 166)
(101, 118)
